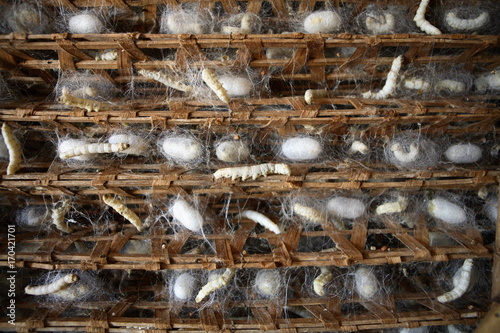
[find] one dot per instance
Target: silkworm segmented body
(166, 80)
(405, 157)
(358, 147)
(123, 210)
(390, 84)
(321, 280)
(213, 285)
(422, 23)
(87, 104)
(309, 213)
(137, 145)
(53, 287)
(213, 83)
(14, 149)
(261, 219)
(457, 23)
(382, 23)
(90, 149)
(366, 282)
(393, 207)
(58, 217)
(312, 94)
(253, 171)
(461, 283)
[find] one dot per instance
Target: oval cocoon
(70, 144)
(366, 282)
(85, 24)
(322, 22)
(184, 286)
(187, 215)
(301, 148)
(232, 151)
(347, 208)
(182, 149)
(491, 208)
(463, 153)
(138, 145)
(268, 283)
(236, 86)
(447, 211)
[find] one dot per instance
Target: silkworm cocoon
(232, 151)
(187, 215)
(455, 22)
(253, 171)
(184, 286)
(321, 280)
(301, 148)
(418, 84)
(326, 21)
(312, 94)
(268, 283)
(53, 287)
(85, 23)
(422, 23)
(236, 86)
(182, 149)
(73, 292)
(247, 23)
(358, 147)
(366, 283)
(393, 207)
(167, 80)
(27, 18)
(390, 83)
(380, 23)
(487, 82)
(491, 208)
(123, 210)
(58, 214)
(463, 153)
(82, 150)
(32, 216)
(213, 285)
(348, 208)
(208, 76)
(261, 219)
(183, 23)
(447, 211)
(136, 145)
(461, 281)
(85, 92)
(14, 149)
(90, 105)
(451, 86)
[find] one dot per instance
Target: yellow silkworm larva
(53, 287)
(76, 148)
(379, 24)
(88, 104)
(58, 217)
(215, 284)
(390, 84)
(422, 23)
(358, 147)
(213, 83)
(107, 56)
(405, 156)
(393, 207)
(312, 94)
(253, 171)
(309, 213)
(261, 219)
(321, 280)
(415, 83)
(166, 80)
(123, 210)
(461, 282)
(451, 18)
(14, 149)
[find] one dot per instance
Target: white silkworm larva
(261, 219)
(87, 104)
(253, 171)
(417, 84)
(312, 94)
(123, 210)
(184, 286)
(452, 86)
(314, 215)
(187, 215)
(92, 148)
(390, 83)
(403, 156)
(213, 285)
(378, 24)
(137, 145)
(321, 280)
(463, 153)
(461, 284)
(107, 56)
(213, 83)
(393, 207)
(58, 217)
(366, 282)
(358, 147)
(166, 80)
(14, 149)
(447, 211)
(457, 23)
(422, 23)
(53, 287)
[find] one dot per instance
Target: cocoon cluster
(181, 149)
(301, 148)
(326, 21)
(347, 208)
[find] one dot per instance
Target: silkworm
(417, 84)
(187, 215)
(182, 149)
(87, 104)
(461, 282)
(314, 215)
(184, 286)
(107, 56)
(72, 148)
(366, 283)
(321, 280)
(73, 292)
(167, 80)
(235, 86)
(381, 23)
(136, 144)
(268, 283)
(253, 171)
(261, 219)
(390, 83)
(463, 153)
(403, 156)
(393, 207)
(447, 211)
(58, 214)
(358, 147)
(452, 86)
(311, 94)
(14, 149)
(232, 151)
(457, 23)
(325, 22)
(422, 23)
(348, 208)
(85, 23)
(216, 284)
(53, 287)
(123, 210)
(208, 76)
(301, 148)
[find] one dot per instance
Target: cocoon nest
(466, 19)
(236, 86)
(491, 208)
(33, 216)
(367, 284)
(326, 21)
(301, 148)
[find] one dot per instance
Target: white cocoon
(137, 145)
(232, 151)
(187, 215)
(446, 211)
(182, 148)
(463, 153)
(322, 22)
(70, 144)
(347, 208)
(267, 283)
(301, 148)
(184, 286)
(236, 86)
(366, 282)
(491, 208)
(85, 23)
